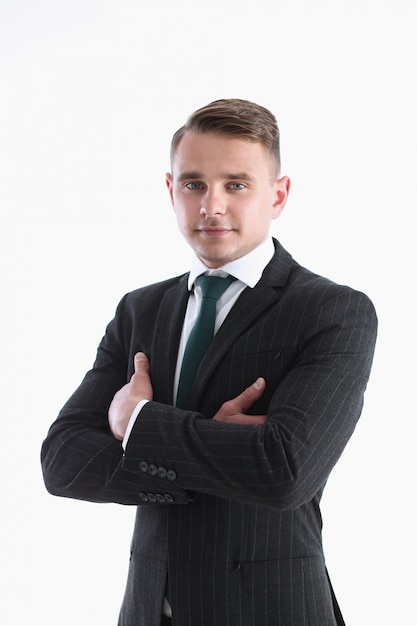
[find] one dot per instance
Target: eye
(193, 186)
(237, 186)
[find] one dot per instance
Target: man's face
(224, 195)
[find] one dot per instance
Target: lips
(214, 231)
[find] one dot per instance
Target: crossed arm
(140, 388)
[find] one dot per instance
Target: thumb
(251, 394)
(141, 362)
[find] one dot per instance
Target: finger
(247, 420)
(141, 362)
(254, 420)
(251, 394)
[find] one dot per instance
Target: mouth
(215, 231)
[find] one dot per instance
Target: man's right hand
(233, 411)
(124, 401)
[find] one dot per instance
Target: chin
(213, 261)
(216, 255)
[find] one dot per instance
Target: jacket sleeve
(80, 457)
(312, 413)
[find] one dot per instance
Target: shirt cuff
(132, 421)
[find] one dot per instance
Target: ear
(170, 184)
(281, 191)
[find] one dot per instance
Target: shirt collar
(248, 269)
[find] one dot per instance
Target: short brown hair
(239, 118)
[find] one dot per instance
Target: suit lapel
(250, 305)
(167, 333)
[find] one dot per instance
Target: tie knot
(214, 286)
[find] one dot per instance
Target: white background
(91, 93)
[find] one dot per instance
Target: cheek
(257, 217)
(184, 219)
(180, 218)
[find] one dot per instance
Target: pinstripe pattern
(242, 537)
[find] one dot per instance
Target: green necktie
(201, 334)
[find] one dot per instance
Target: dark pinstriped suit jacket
(232, 511)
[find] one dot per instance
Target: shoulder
(142, 304)
(308, 293)
(155, 291)
(325, 304)
(298, 279)
(322, 288)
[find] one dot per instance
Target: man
(228, 474)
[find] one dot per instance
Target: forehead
(212, 150)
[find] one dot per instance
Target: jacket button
(152, 469)
(143, 497)
(168, 498)
(160, 498)
(162, 471)
(143, 466)
(151, 497)
(171, 474)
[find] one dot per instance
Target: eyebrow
(194, 175)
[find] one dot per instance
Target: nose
(213, 204)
